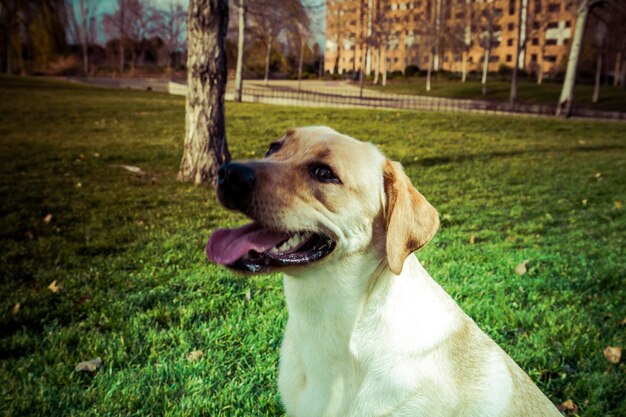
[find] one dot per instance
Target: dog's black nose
(235, 184)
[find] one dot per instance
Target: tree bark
(205, 136)
(240, 46)
(564, 108)
(596, 88)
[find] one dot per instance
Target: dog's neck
(336, 293)
(328, 304)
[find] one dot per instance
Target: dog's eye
(273, 148)
(323, 173)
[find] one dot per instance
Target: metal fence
(331, 97)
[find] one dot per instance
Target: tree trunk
(540, 71)
(437, 33)
(618, 70)
(122, 34)
(301, 62)
(205, 136)
(84, 39)
(485, 70)
(564, 108)
(430, 69)
(518, 50)
(268, 54)
(384, 69)
(240, 46)
(464, 67)
(377, 66)
(596, 88)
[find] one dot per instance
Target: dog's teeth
(293, 242)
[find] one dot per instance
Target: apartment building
(450, 35)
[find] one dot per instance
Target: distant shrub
(411, 70)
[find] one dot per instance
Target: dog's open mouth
(253, 248)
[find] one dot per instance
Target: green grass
(611, 98)
(137, 291)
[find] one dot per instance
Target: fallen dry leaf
(131, 168)
(89, 366)
(568, 405)
(618, 204)
(29, 235)
(54, 287)
(585, 202)
(16, 308)
(521, 269)
(598, 174)
(613, 354)
(195, 355)
(79, 184)
(96, 155)
(47, 218)
(472, 239)
(624, 321)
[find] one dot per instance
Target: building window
(535, 41)
(565, 42)
(537, 6)
(554, 8)
(552, 25)
(510, 27)
(497, 12)
(568, 24)
(509, 42)
(533, 58)
(494, 59)
(550, 58)
(550, 41)
(509, 58)
(536, 25)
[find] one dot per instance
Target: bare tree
(241, 8)
(429, 30)
(488, 36)
(205, 135)
(564, 107)
(537, 32)
(78, 15)
(520, 46)
(170, 25)
(116, 25)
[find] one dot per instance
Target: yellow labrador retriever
(369, 331)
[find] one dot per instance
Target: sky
(108, 6)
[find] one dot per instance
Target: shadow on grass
(443, 160)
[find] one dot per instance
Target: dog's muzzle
(235, 185)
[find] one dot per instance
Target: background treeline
(74, 37)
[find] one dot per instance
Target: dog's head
(319, 196)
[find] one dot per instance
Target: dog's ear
(411, 220)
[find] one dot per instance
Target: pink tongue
(225, 246)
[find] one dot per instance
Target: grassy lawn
(611, 98)
(127, 250)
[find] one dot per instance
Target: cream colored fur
(370, 333)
